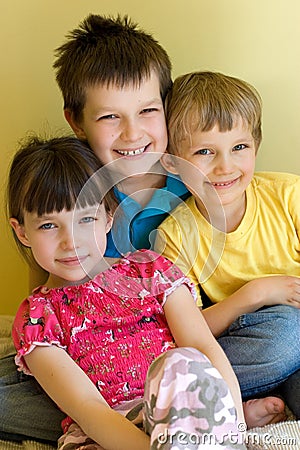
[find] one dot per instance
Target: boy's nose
(224, 164)
(131, 131)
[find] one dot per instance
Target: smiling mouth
(225, 183)
(137, 151)
(72, 261)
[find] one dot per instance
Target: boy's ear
(20, 231)
(169, 163)
(74, 125)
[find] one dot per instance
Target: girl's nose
(67, 240)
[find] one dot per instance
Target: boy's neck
(142, 187)
(226, 219)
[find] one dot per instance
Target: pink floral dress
(114, 327)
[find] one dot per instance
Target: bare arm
(77, 396)
(267, 291)
(191, 330)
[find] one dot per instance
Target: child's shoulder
(276, 187)
(149, 270)
(148, 263)
(184, 211)
(145, 257)
(275, 177)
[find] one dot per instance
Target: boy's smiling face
(218, 166)
(125, 126)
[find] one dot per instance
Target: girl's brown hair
(56, 174)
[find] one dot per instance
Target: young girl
(92, 332)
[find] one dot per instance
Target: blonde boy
(237, 237)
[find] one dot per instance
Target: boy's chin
(136, 166)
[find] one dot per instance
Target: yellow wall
(258, 40)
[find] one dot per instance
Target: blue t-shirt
(134, 227)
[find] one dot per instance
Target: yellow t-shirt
(267, 241)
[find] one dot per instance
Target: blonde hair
(201, 100)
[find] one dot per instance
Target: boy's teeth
(138, 151)
(222, 184)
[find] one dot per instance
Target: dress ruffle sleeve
(35, 324)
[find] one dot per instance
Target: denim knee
(263, 347)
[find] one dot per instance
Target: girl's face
(67, 244)
(125, 126)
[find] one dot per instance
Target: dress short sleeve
(35, 324)
(159, 276)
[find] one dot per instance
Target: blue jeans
(264, 350)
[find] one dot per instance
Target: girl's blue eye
(87, 219)
(47, 226)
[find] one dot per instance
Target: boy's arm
(255, 294)
(77, 396)
(266, 291)
(191, 330)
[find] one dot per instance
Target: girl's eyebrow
(42, 218)
(89, 209)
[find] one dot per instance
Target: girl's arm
(267, 291)
(189, 329)
(77, 396)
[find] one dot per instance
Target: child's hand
(266, 291)
(277, 289)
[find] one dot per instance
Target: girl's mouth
(72, 261)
